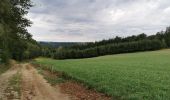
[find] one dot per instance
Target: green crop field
(134, 76)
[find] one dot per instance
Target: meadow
(133, 76)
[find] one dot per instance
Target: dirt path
(35, 87)
(4, 78)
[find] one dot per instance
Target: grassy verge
(52, 78)
(3, 68)
(137, 76)
(14, 88)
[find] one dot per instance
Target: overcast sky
(93, 20)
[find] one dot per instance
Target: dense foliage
(117, 45)
(126, 47)
(15, 41)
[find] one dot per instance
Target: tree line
(15, 41)
(117, 45)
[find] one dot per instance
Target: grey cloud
(72, 32)
(90, 20)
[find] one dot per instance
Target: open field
(137, 76)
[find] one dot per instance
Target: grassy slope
(131, 76)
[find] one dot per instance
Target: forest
(117, 45)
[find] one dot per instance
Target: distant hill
(59, 44)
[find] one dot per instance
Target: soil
(79, 92)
